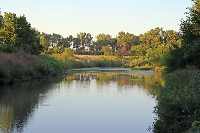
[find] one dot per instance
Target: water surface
(95, 100)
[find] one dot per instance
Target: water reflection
(144, 79)
(19, 104)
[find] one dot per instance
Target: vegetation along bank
(26, 54)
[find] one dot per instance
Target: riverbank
(178, 107)
(23, 67)
(16, 67)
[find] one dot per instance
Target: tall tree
(106, 50)
(88, 39)
(1, 20)
(125, 41)
(18, 32)
(9, 26)
(70, 40)
(76, 43)
(44, 43)
(190, 29)
(104, 40)
(85, 40)
(28, 38)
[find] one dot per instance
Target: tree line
(17, 34)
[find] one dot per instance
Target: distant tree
(1, 20)
(106, 50)
(76, 43)
(70, 40)
(170, 40)
(67, 55)
(88, 39)
(47, 37)
(138, 50)
(85, 40)
(125, 41)
(44, 43)
(103, 40)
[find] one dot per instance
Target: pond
(91, 100)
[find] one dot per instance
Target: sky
(69, 17)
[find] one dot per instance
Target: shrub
(4, 75)
(8, 48)
(49, 66)
(178, 102)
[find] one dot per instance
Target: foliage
(44, 43)
(1, 19)
(25, 67)
(8, 48)
(4, 75)
(49, 66)
(104, 40)
(126, 41)
(189, 52)
(60, 54)
(195, 127)
(7, 32)
(67, 55)
(17, 32)
(178, 102)
(85, 39)
(106, 50)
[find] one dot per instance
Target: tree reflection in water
(19, 102)
(145, 79)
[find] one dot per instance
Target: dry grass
(91, 57)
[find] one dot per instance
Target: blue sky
(69, 17)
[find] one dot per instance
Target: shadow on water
(18, 102)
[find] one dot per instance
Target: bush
(178, 102)
(49, 66)
(21, 67)
(4, 75)
(8, 48)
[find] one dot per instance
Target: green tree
(189, 52)
(70, 40)
(76, 43)
(125, 41)
(67, 55)
(9, 26)
(17, 32)
(138, 50)
(170, 40)
(1, 20)
(85, 40)
(27, 37)
(103, 40)
(190, 29)
(106, 50)
(44, 43)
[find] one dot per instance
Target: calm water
(97, 100)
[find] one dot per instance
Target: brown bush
(12, 61)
